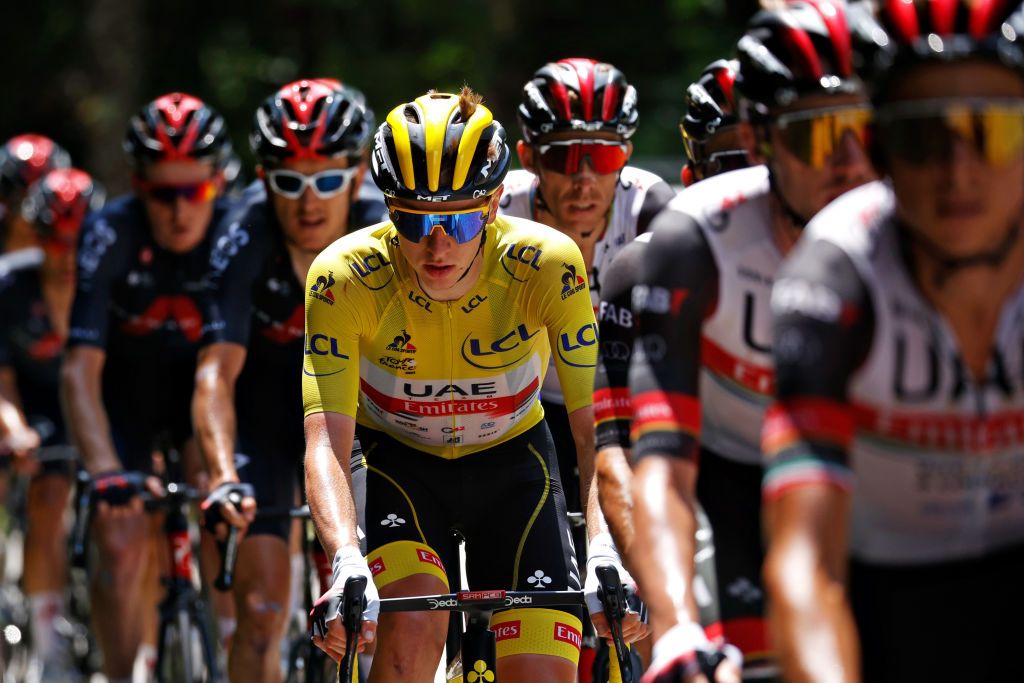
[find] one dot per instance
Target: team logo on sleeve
(321, 289)
(571, 282)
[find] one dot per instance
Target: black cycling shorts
(730, 494)
(506, 502)
(945, 622)
(557, 418)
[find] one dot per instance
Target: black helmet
(311, 119)
(440, 147)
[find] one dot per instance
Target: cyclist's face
(805, 188)
(717, 154)
(180, 224)
(59, 259)
(310, 222)
(438, 260)
(963, 203)
(578, 202)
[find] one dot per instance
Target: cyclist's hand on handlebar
(229, 504)
(348, 562)
(685, 655)
(22, 444)
(602, 551)
(119, 494)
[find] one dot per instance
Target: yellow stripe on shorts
(537, 631)
(394, 561)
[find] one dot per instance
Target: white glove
(348, 561)
(602, 551)
(675, 655)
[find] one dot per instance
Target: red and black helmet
(312, 119)
(58, 202)
(25, 158)
(901, 34)
(177, 127)
(577, 95)
(798, 50)
(710, 103)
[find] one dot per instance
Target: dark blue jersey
(29, 344)
(256, 300)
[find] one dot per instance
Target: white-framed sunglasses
(325, 184)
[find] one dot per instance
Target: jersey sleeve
(656, 199)
(613, 412)
(568, 315)
(335, 321)
(678, 290)
(823, 327)
(8, 313)
(234, 265)
(102, 258)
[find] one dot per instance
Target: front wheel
(185, 651)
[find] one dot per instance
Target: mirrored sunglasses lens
(329, 183)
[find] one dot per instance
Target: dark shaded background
(77, 69)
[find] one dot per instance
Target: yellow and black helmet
(440, 147)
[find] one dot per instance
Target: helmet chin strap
(787, 209)
(948, 264)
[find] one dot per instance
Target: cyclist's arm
(227, 311)
(612, 410)
(572, 335)
(213, 408)
(330, 389)
(657, 197)
(678, 290)
(101, 257)
(329, 438)
(823, 329)
(82, 397)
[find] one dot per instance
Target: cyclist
(893, 496)
(712, 147)
(439, 323)
(24, 159)
(701, 373)
(36, 287)
(311, 139)
(135, 330)
(577, 117)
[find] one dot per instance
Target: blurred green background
(77, 69)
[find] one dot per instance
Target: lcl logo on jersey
(528, 254)
(321, 289)
(473, 303)
(569, 343)
(322, 345)
(474, 348)
(367, 266)
(571, 282)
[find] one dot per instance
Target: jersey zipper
(449, 342)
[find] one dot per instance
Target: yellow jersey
(448, 377)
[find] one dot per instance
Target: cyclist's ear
(492, 204)
(525, 153)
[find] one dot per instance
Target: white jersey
(937, 458)
(737, 378)
(626, 220)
